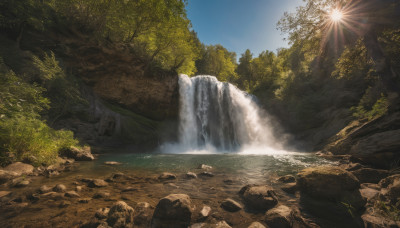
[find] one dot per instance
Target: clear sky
(240, 24)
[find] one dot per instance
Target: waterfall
(218, 116)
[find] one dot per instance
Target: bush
(29, 139)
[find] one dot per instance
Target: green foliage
(379, 108)
(389, 210)
(61, 88)
(23, 136)
(218, 61)
(30, 139)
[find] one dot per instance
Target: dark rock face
(375, 142)
(368, 175)
(259, 197)
(83, 154)
(330, 191)
(231, 205)
(120, 215)
(174, 210)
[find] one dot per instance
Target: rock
(44, 189)
(117, 175)
(120, 215)
(206, 174)
(330, 192)
(102, 213)
(60, 188)
(259, 197)
(4, 193)
(279, 217)
(389, 180)
(290, 188)
(102, 194)
(368, 175)
(393, 193)
(22, 184)
(167, 176)
(72, 194)
(287, 179)
(78, 188)
(231, 205)
(206, 167)
(368, 193)
(174, 210)
(143, 214)
(205, 212)
(326, 182)
(64, 204)
(79, 154)
(112, 163)
(84, 200)
(371, 221)
(371, 185)
(86, 180)
(54, 195)
(222, 224)
(130, 189)
(20, 168)
(7, 176)
(256, 225)
(97, 183)
(353, 166)
(191, 175)
(33, 197)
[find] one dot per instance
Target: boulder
(287, 179)
(120, 215)
(143, 212)
(369, 193)
(368, 175)
(330, 192)
(174, 210)
(97, 183)
(20, 168)
(279, 217)
(102, 213)
(44, 189)
(256, 225)
(384, 183)
(79, 154)
(222, 224)
(290, 188)
(231, 205)
(72, 194)
(191, 175)
(259, 197)
(205, 212)
(167, 176)
(326, 182)
(7, 176)
(60, 188)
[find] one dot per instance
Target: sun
(336, 15)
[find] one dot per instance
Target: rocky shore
(346, 195)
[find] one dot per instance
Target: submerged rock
(60, 188)
(112, 163)
(231, 205)
(259, 197)
(174, 210)
(167, 176)
(120, 215)
(287, 179)
(206, 174)
(97, 183)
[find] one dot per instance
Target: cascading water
(217, 116)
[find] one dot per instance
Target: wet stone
(167, 176)
(22, 184)
(191, 175)
(99, 195)
(72, 194)
(60, 188)
(44, 189)
(97, 183)
(231, 205)
(102, 213)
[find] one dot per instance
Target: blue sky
(240, 24)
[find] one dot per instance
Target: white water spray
(218, 117)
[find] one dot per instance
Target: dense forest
(330, 76)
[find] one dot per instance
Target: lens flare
(336, 15)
